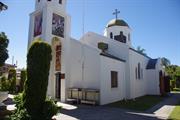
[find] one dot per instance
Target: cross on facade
(116, 13)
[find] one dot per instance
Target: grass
(175, 115)
(140, 104)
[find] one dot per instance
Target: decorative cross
(116, 13)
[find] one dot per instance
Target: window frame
(60, 1)
(114, 79)
(111, 35)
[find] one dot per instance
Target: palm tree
(141, 50)
(3, 6)
(166, 62)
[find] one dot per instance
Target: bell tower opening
(117, 29)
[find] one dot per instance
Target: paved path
(84, 112)
(164, 108)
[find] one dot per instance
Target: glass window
(60, 1)
(114, 79)
(129, 37)
(139, 71)
(111, 35)
(136, 72)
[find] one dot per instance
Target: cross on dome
(116, 13)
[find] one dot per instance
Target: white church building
(106, 65)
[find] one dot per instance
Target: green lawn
(175, 115)
(141, 104)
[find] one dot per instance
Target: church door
(58, 71)
(58, 85)
(161, 83)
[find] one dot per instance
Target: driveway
(87, 112)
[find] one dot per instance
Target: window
(114, 79)
(111, 35)
(129, 37)
(38, 0)
(139, 71)
(136, 73)
(60, 1)
(48, 0)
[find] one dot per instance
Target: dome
(117, 22)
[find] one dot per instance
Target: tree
(12, 80)
(166, 62)
(22, 79)
(3, 6)
(38, 65)
(4, 41)
(141, 50)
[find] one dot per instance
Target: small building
(4, 70)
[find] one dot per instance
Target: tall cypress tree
(38, 65)
(4, 41)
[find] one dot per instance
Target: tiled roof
(112, 56)
(151, 64)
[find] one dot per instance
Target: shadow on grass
(139, 104)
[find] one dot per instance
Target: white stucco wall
(87, 75)
(115, 48)
(153, 82)
(138, 86)
(108, 94)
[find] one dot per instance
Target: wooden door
(58, 85)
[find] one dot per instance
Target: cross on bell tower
(116, 13)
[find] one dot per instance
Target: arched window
(136, 73)
(129, 37)
(111, 35)
(139, 71)
(60, 1)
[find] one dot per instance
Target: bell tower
(119, 30)
(49, 20)
(51, 23)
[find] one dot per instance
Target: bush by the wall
(176, 89)
(172, 84)
(20, 113)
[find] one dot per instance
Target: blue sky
(155, 24)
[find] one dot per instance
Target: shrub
(176, 89)
(4, 84)
(172, 84)
(49, 109)
(20, 113)
(38, 65)
(12, 80)
(22, 80)
(103, 46)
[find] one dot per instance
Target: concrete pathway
(164, 108)
(85, 112)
